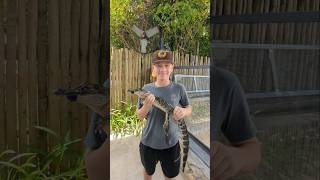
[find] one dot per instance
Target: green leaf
(13, 166)
(9, 151)
(47, 130)
(20, 156)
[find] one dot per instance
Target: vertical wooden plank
(138, 77)
(118, 74)
(316, 5)
(140, 71)
(270, 38)
(308, 56)
(316, 56)
(149, 67)
(186, 58)
(75, 65)
(54, 73)
(249, 31)
(114, 72)
(84, 49)
(105, 42)
(220, 7)
(113, 93)
(127, 76)
(131, 83)
(250, 6)
(145, 68)
(42, 83)
(23, 75)
(38, 69)
(94, 41)
(135, 68)
(192, 71)
(124, 73)
(297, 65)
(65, 46)
(112, 78)
(260, 60)
(3, 131)
(118, 80)
(295, 55)
(65, 121)
(130, 74)
(11, 76)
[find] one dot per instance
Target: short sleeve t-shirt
(231, 117)
(153, 134)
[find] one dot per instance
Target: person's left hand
(178, 113)
(225, 162)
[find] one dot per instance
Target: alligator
(168, 110)
(91, 95)
(94, 96)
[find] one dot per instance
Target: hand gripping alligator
(168, 110)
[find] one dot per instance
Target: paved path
(125, 162)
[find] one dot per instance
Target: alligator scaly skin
(168, 110)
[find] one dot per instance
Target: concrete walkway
(125, 162)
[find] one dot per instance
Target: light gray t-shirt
(153, 134)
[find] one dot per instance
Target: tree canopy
(184, 24)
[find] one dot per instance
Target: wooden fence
(130, 69)
(297, 69)
(287, 151)
(45, 45)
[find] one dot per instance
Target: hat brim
(160, 61)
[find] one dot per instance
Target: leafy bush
(124, 121)
(184, 24)
(44, 165)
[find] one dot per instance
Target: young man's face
(163, 70)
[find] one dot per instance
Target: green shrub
(42, 164)
(124, 121)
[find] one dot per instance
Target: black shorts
(169, 159)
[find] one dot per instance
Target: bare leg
(146, 176)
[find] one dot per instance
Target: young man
(234, 146)
(154, 145)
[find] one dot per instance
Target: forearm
(248, 155)
(188, 110)
(143, 111)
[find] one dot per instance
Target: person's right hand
(149, 99)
